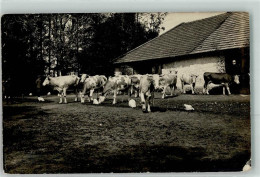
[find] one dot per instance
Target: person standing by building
(235, 70)
(39, 88)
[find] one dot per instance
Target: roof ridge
(207, 17)
(220, 24)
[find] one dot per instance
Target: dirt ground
(84, 138)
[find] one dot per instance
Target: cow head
(236, 79)
(193, 78)
(46, 81)
(156, 81)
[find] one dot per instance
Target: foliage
(57, 44)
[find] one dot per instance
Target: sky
(174, 19)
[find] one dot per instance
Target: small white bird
(95, 101)
(30, 94)
(40, 99)
(49, 93)
(188, 107)
(132, 103)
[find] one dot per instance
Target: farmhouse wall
(198, 66)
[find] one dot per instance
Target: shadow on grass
(146, 158)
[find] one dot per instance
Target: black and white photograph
(144, 92)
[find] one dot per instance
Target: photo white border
(99, 6)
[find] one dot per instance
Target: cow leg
(192, 89)
(82, 98)
(151, 100)
(60, 95)
(205, 88)
(182, 86)
(174, 87)
(228, 89)
(164, 90)
(224, 89)
(77, 96)
(130, 92)
(91, 94)
(136, 93)
(148, 104)
(114, 97)
(171, 88)
(64, 92)
(76, 93)
(143, 102)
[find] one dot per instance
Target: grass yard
(84, 138)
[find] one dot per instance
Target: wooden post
(243, 60)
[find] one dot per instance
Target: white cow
(164, 81)
(91, 83)
(188, 79)
(121, 83)
(61, 84)
(135, 84)
(147, 87)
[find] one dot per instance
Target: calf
(219, 78)
(90, 84)
(188, 79)
(147, 87)
(116, 84)
(62, 83)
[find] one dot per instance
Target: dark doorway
(241, 67)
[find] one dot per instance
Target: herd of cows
(141, 85)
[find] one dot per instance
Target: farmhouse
(207, 45)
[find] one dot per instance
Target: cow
(147, 87)
(62, 83)
(164, 81)
(188, 79)
(90, 84)
(219, 78)
(135, 84)
(121, 83)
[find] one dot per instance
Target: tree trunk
(49, 51)
(77, 42)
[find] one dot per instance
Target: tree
(38, 44)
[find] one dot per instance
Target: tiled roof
(224, 31)
(233, 33)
